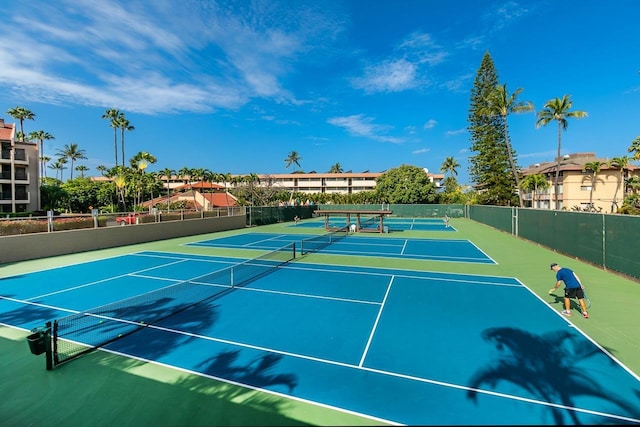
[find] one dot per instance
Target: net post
(294, 250)
(48, 350)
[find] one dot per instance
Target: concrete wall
(40, 245)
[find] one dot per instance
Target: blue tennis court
(405, 347)
(425, 249)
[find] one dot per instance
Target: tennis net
(316, 243)
(82, 332)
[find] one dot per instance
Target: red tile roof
(7, 131)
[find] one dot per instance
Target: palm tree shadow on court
(257, 373)
(545, 366)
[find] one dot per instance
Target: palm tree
(82, 169)
(558, 109)
(120, 181)
(71, 152)
(500, 103)
(226, 177)
(167, 173)
(337, 168)
(21, 114)
(112, 115)
(41, 136)
(449, 166)
(293, 159)
(595, 168)
(44, 160)
(535, 183)
(124, 125)
(102, 169)
(635, 148)
(620, 163)
(58, 165)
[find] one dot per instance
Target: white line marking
(375, 324)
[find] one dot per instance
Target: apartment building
(578, 188)
(19, 181)
(312, 182)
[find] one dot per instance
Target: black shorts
(574, 293)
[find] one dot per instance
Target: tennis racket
(587, 300)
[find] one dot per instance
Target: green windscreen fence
(608, 240)
(622, 243)
(577, 233)
(264, 215)
(499, 217)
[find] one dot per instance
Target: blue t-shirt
(567, 276)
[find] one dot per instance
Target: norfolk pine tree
(489, 168)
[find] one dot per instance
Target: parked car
(128, 219)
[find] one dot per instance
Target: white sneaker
(566, 312)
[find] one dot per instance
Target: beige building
(577, 186)
(312, 182)
(19, 181)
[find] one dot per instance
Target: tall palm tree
(500, 103)
(112, 115)
(41, 136)
(73, 153)
(293, 159)
(167, 173)
(558, 109)
(21, 114)
(124, 125)
(337, 168)
(44, 160)
(450, 166)
(621, 164)
(595, 167)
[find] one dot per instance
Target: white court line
(101, 281)
(375, 324)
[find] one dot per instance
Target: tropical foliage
(489, 166)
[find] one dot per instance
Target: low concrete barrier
(41, 245)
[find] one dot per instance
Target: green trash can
(37, 342)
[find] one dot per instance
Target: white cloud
(430, 124)
(361, 126)
(455, 132)
(158, 56)
(388, 76)
(421, 151)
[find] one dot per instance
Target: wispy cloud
(421, 151)
(455, 132)
(362, 126)
(406, 67)
(430, 124)
(158, 56)
(389, 76)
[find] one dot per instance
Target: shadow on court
(556, 367)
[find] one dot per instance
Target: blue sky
(235, 86)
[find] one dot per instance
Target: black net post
(48, 349)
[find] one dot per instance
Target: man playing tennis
(572, 289)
